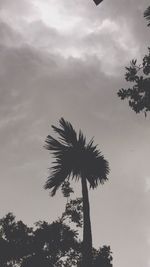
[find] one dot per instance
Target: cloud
(9, 37)
(108, 37)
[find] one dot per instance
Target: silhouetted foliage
(138, 75)
(46, 245)
(103, 257)
(74, 212)
(56, 240)
(15, 239)
(76, 158)
(147, 15)
(66, 189)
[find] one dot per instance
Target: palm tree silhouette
(80, 160)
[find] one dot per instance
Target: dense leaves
(138, 94)
(66, 189)
(103, 257)
(44, 246)
(15, 240)
(74, 212)
(147, 15)
(47, 244)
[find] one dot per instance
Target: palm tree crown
(74, 157)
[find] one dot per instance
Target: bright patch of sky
(54, 15)
(147, 184)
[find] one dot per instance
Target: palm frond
(66, 132)
(97, 168)
(52, 144)
(55, 180)
(81, 140)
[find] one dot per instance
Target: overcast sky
(67, 58)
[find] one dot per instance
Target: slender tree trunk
(87, 234)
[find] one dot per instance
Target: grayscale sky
(67, 58)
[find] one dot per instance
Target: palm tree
(80, 160)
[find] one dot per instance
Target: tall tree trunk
(87, 234)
